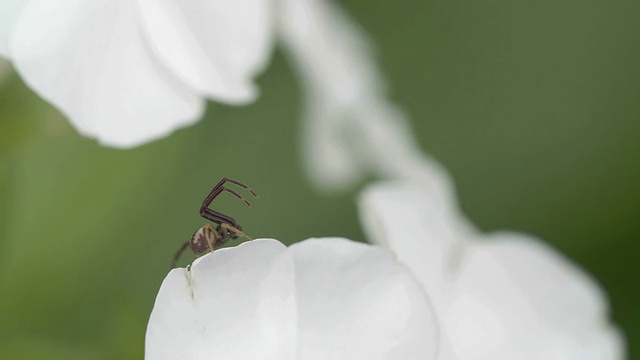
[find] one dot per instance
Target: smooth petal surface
(9, 12)
(319, 299)
(517, 298)
(355, 302)
(497, 297)
(90, 60)
(217, 47)
(421, 225)
(235, 303)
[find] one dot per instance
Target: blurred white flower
(499, 296)
(318, 299)
(130, 71)
(351, 129)
(9, 10)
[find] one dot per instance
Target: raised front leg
(215, 216)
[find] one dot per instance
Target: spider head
(205, 239)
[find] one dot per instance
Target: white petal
(421, 224)
(351, 129)
(355, 302)
(517, 298)
(9, 12)
(90, 60)
(332, 59)
(382, 140)
(236, 303)
(319, 299)
(328, 159)
(506, 297)
(217, 47)
(330, 50)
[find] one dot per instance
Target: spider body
(204, 239)
(208, 238)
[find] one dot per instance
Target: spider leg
(235, 193)
(219, 188)
(233, 181)
(216, 238)
(217, 217)
(218, 191)
(234, 230)
(178, 254)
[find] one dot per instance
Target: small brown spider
(208, 238)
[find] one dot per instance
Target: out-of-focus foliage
(533, 106)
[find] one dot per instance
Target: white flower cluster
(497, 296)
(433, 287)
(501, 296)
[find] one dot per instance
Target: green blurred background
(532, 105)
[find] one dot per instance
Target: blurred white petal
(333, 62)
(355, 302)
(351, 130)
(331, 52)
(327, 157)
(127, 72)
(383, 140)
(421, 225)
(517, 298)
(216, 47)
(90, 59)
(319, 299)
(500, 297)
(9, 13)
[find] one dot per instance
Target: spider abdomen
(204, 240)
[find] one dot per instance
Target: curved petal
(351, 128)
(90, 60)
(421, 224)
(356, 302)
(498, 297)
(333, 61)
(9, 12)
(235, 303)
(517, 298)
(217, 47)
(328, 158)
(332, 53)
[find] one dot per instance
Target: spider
(209, 238)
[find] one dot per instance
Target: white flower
(318, 299)
(9, 10)
(130, 71)
(351, 130)
(499, 296)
